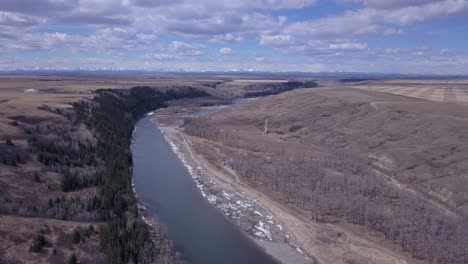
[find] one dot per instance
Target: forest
(258, 90)
(112, 116)
(343, 186)
(103, 162)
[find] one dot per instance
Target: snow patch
(30, 91)
(195, 173)
(297, 248)
(263, 231)
(212, 199)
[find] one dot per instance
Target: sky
(387, 36)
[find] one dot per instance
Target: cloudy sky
(398, 36)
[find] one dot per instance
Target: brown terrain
(35, 209)
(372, 171)
(359, 172)
(33, 202)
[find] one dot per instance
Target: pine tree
(36, 177)
(72, 259)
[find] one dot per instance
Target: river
(163, 184)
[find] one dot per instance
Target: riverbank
(312, 241)
(241, 204)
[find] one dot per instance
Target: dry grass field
(455, 91)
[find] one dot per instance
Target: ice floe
(263, 231)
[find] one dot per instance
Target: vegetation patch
(262, 89)
(111, 115)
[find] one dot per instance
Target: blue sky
(399, 36)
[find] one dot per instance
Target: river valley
(166, 189)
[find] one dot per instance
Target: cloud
(104, 40)
(276, 40)
(345, 31)
(94, 19)
(282, 20)
(248, 4)
(227, 38)
(348, 46)
(194, 28)
(223, 21)
(385, 4)
(367, 21)
(162, 56)
(445, 51)
(184, 48)
(38, 7)
(213, 24)
(350, 24)
(393, 31)
(225, 51)
(16, 20)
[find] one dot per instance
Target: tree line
(104, 162)
(111, 115)
(257, 90)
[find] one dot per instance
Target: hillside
(391, 164)
(65, 184)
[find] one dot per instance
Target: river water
(163, 184)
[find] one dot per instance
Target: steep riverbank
(241, 204)
(111, 117)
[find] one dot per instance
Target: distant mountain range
(359, 75)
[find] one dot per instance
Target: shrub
(38, 243)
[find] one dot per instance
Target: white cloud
(119, 27)
(386, 4)
(225, 51)
(227, 38)
(368, 20)
(184, 48)
(348, 46)
(345, 31)
(276, 40)
(446, 51)
(417, 53)
(282, 19)
(19, 20)
(393, 31)
(162, 56)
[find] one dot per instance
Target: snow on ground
(243, 210)
(263, 230)
(30, 91)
